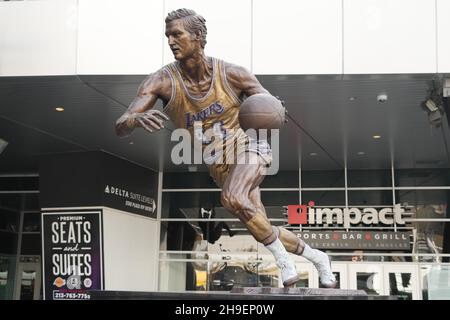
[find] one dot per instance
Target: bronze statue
(199, 87)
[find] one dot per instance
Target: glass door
(367, 277)
(306, 272)
(28, 284)
(340, 272)
(402, 281)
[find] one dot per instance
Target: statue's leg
(297, 246)
(241, 180)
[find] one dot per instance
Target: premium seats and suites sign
(72, 254)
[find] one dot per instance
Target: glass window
(9, 220)
(234, 274)
(27, 285)
(32, 201)
(7, 272)
(431, 236)
(31, 244)
(188, 180)
(370, 198)
(400, 285)
(279, 198)
(370, 282)
(181, 235)
(438, 280)
(215, 275)
(9, 228)
(422, 177)
(11, 201)
(304, 280)
(176, 276)
(178, 235)
(19, 183)
(187, 204)
(8, 242)
(369, 178)
(324, 198)
(323, 179)
(421, 197)
(283, 179)
(32, 222)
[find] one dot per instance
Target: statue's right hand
(151, 120)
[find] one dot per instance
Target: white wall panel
(297, 37)
(443, 25)
(229, 28)
(386, 36)
(37, 38)
(130, 251)
(120, 37)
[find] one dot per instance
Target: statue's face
(182, 43)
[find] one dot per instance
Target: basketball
(262, 111)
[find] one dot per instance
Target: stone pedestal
(243, 293)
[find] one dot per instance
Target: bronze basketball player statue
(199, 87)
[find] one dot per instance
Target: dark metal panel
(322, 121)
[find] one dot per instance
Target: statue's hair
(192, 22)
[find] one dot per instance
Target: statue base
(243, 293)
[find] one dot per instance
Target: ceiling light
(131, 142)
(59, 109)
(382, 97)
(376, 136)
(3, 145)
(352, 98)
(361, 153)
(313, 154)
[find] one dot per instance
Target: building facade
(363, 142)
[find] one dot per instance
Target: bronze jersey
(218, 110)
(219, 104)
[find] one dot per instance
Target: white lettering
(87, 232)
(349, 220)
(62, 232)
(354, 216)
(312, 216)
(72, 238)
(383, 214)
(370, 216)
(70, 264)
(329, 213)
(398, 212)
(55, 234)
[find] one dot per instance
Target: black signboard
(363, 240)
(96, 178)
(72, 254)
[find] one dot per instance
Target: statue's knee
(229, 201)
(224, 200)
(239, 205)
(290, 241)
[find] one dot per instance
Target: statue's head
(186, 32)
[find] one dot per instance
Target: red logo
(298, 214)
(368, 236)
